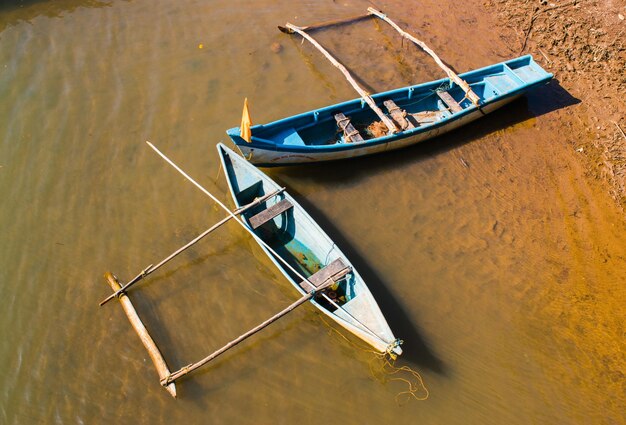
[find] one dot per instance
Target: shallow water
(491, 252)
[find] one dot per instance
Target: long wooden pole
(190, 368)
(151, 269)
(451, 74)
(364, 95)
(142, 332)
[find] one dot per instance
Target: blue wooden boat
(286, 227)
(421, 112)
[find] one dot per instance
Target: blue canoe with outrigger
(308, 256)
(386, 120)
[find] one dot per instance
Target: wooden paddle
(326, 23)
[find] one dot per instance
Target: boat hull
(278, 156)
(360, 315)
(431, 109)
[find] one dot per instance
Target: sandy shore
(583, 43)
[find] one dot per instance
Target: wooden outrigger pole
(364, 95)
(451, 74)
(169, 380)
(141, 330)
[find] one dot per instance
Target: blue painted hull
(313, 136)
(298, 239)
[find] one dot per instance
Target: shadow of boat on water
(416, 349)
(535, 103)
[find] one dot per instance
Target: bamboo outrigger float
(414, 113)
(142, 332)
(335, 288)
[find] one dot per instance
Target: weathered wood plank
(398, 115)
(427, 117)
(350, 133)
(337, 267)
(142, 332)
(266, 215)
(448, 100)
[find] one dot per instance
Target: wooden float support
(144, 335)
(327, 281)
(150, 269)
(364, 95)
(451, 74)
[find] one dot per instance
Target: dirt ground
(583, 43)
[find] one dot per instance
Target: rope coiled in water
(386, 368)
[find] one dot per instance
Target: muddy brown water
(490, 250)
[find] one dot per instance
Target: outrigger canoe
(421, 112)
(290, 231)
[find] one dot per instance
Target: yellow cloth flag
(245, 131)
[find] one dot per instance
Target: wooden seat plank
(398, 115)
(266, 215)
(427, 117)
(449, 101)
(336, 269)
(350, 133)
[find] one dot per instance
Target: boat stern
(235, 135)
(528, 71)
(240, 142)
(394, 350)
